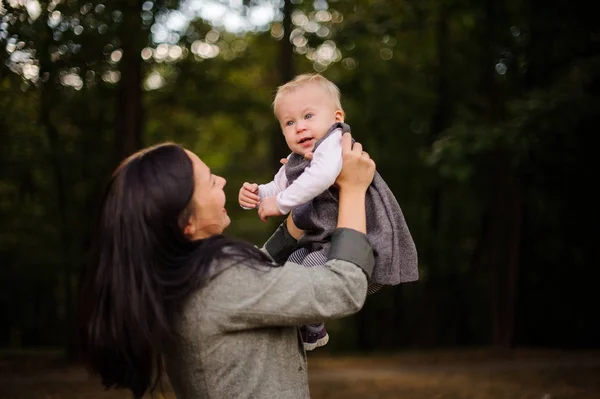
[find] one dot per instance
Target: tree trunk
(442, 114)
(55, 158)
(56, 163)
(497, 252)
(503, 255)
(279, 148)
(440, 121)
(129, 111)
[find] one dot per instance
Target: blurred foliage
(482, 118)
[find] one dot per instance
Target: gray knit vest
(395, 253)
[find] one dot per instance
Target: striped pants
(303, 257)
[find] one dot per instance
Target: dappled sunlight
(111, 76)
(32, 6)
(320, 23)
(71, 79)
(22, 62)
(154, 81)
(204, 49)
(170, 27)
(25, 55)
(116, 56)
(164, 53)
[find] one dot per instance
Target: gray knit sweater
(238, 335)
(395, 253)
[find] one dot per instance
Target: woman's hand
(357, 174)
(358, 168)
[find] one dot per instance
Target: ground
(473, 374)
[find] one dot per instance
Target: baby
(311, 117)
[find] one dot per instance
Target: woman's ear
(190, 228)
(339, 116)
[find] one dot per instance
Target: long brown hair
(142, 267)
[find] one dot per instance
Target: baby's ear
(339, 116)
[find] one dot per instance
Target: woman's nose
(223, 181)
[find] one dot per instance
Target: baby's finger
(252, 187)
(255, 199)
(248, 204)
(283, 161)
(250, 196)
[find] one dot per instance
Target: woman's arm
(351, 182)
(246, 296)
(293, 294)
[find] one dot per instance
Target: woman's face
(209, 216)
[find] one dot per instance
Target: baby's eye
(308, 116)
(289, 123)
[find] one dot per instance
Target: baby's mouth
(305, 140)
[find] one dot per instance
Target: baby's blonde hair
(330, 88)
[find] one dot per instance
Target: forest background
(482, 116)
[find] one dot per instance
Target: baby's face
(305, 115)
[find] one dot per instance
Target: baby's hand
(268, 207)
(248, 196)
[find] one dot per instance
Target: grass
(474, 374)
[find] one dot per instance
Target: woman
(165, 284)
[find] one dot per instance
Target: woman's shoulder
(224, 293)
(236, 272)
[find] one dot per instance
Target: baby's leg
(314, 335)
(373, 288)
(298, 256)
(316, 258)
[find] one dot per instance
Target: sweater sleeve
(254, 296)
(280, 245)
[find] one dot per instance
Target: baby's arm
(251, 194)
(324, 168)
(274, 187)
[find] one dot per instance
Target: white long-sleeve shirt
(324, 168)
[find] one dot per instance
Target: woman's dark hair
(142, 267)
